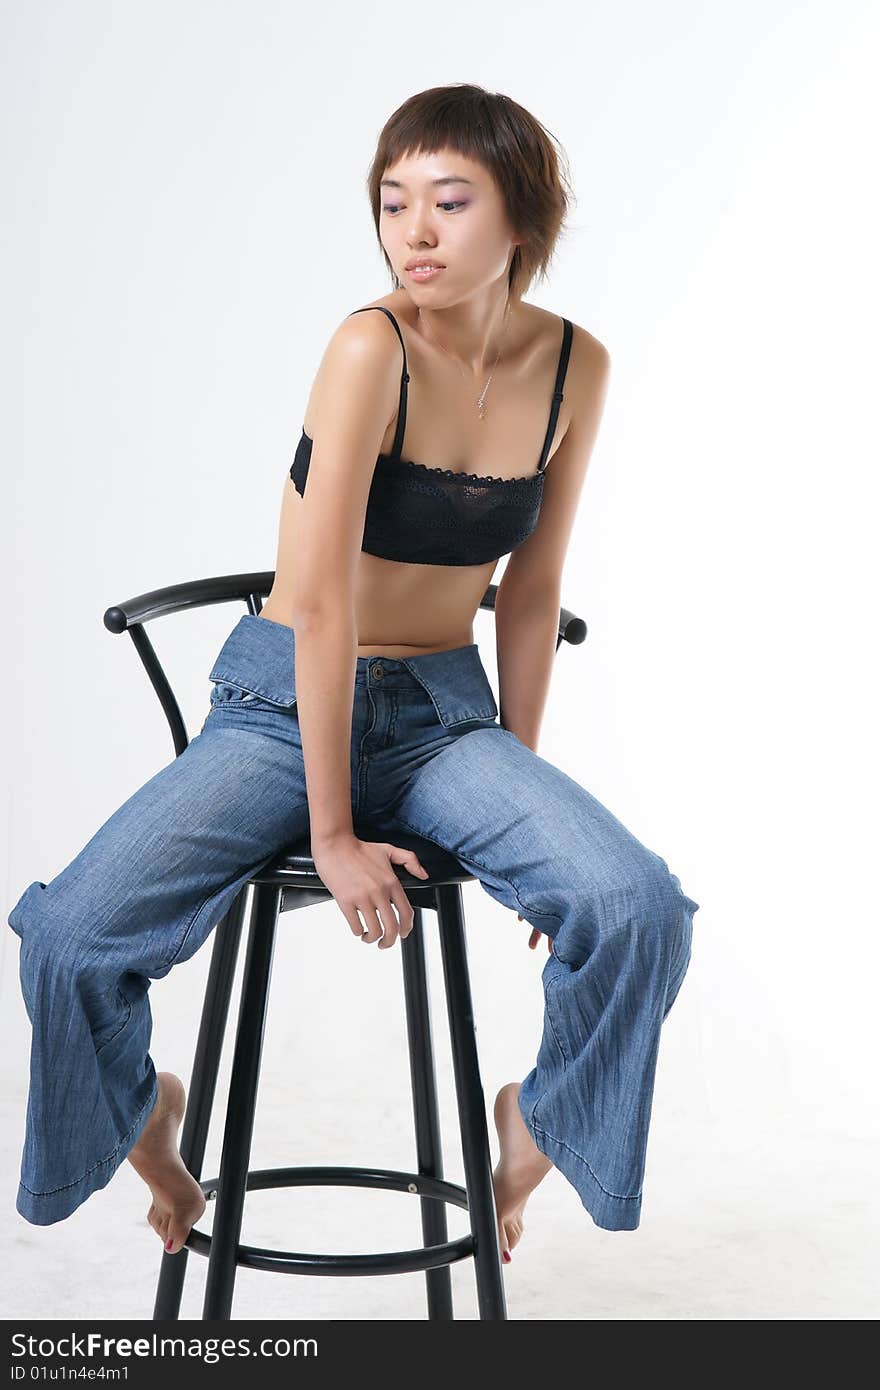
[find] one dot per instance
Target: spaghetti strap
(558, 394)
(397, 446)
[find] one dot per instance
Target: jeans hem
(609, 1212)
(45, 1208)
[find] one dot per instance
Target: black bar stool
(291, 881)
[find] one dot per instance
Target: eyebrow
(435, 183)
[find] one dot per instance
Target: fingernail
(506, 1256)
(169, 1242)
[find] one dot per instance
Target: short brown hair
(523, 157)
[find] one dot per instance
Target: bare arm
(529, 595)
(525, 638)
(353, 399)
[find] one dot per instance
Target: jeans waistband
(259, 655)
(393, 673)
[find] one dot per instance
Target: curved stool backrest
(251, 589)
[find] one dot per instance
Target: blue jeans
(428, 759)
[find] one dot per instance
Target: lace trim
(466, 477)
(448, 472)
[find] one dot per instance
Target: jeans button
(378, 671)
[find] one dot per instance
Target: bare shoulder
(586, 389)
(361, 358)
(366, 333)
(590, 358)
(588, 362)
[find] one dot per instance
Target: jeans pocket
(255, 668)
(223, 695)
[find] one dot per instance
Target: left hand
(536, 935)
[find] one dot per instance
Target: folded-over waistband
(259, 656)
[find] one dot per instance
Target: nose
(419, 246)
(418, 238)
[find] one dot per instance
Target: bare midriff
(433, 606)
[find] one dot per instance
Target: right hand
(359, 875)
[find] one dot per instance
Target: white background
(185, 223)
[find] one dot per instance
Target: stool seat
(294, 866)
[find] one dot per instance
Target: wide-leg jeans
(428, 759)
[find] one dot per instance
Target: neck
(472, 333)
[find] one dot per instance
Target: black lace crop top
(437, 516)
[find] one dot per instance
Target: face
(447, 209)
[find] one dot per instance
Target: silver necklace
(481, 399)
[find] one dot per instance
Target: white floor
(724, 1235)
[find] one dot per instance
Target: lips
(416, 264)
(423, 273)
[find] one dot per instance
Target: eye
(395, 207)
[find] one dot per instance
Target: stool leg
(202, 1088)
(471, 1105)
(229, 1209)
(427, 1120)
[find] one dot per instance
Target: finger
(389, 912)
(372, 926)
(389, 923)
(356, 926)
(534, 938)
(405, 912)
(408, 858)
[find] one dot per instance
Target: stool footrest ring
(390, 1262)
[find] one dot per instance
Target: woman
(449, 424)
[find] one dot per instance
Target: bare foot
(520, 1167)
(178, 1200)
